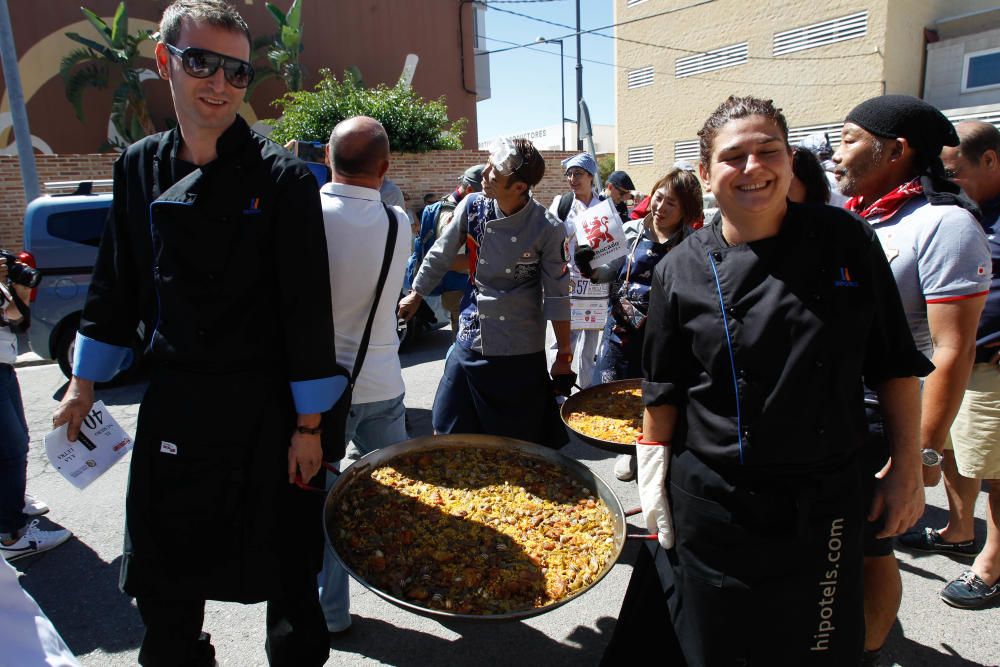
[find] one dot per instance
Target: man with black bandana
(888, 165)
(241, 347)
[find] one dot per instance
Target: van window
(84, 226)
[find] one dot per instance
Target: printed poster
(101, 444)
(600, 227)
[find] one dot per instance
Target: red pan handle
(637, 536)
(305, 487)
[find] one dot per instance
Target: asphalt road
(76, 584)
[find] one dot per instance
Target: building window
(640, 155)
(640, 77)
(821, 34)
(981, 71)
(727, 56)
(688, 150)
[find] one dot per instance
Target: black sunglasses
(202, 63)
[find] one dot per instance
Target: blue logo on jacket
(845, 279)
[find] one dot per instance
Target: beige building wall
(815, 86)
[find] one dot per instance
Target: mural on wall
(375, 37)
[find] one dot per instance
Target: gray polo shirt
(518, 269)
(937, 254)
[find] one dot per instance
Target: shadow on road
(428, 346)
(905, 651)
(79, 593)
(480, 643)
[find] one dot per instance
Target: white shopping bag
(600, 227)
(101, 443)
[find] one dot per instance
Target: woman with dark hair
(675, 203)
(809, 183)
(762, 327)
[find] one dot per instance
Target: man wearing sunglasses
(495, 378)
(215, 243)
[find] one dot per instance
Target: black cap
(621, 180)
(895, 116)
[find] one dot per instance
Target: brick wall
(50, 168)
(415, 173)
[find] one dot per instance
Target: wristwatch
(305, 430)
(565, 356)
(931, 457)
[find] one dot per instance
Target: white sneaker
(34, 541)
(33, 506)
(626, 467)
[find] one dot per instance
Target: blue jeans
(370, 426)
(13, 455)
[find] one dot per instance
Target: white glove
(653, 461)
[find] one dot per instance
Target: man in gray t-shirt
(888, 165)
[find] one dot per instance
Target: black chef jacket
(764, 345)
(226, 265)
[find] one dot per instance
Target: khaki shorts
(975, 433)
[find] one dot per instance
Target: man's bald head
(977, 137)
(359, 148)
(974, 165)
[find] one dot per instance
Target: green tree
(281, 49)
(605, 165)
(412, 123)
(91, 67)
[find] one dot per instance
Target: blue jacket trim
(97, 361)
(312, 396)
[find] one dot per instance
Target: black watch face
(930, 457)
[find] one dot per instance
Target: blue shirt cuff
(312, 396)
(97, 361)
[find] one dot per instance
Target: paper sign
(588, 314)
(101, 443)
(600, 227)
(581, 287)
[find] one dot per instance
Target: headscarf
(584, 161)
(926, 129)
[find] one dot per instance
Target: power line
(553, 53)
(594, 31)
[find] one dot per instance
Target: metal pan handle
(305, 487)
(637, 536)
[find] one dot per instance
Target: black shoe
(930, 540)
(871, 658)
(970, 592)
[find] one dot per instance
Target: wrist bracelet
(305, 430)
(565, 356)
(641, 441)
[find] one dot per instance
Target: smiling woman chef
(761, 328)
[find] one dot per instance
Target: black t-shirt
(764, 346)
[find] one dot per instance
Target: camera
(19, 273)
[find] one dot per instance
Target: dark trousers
(296, 633)
(13, 454)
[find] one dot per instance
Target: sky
(525, 82)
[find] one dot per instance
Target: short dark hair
(977, 138)
(213, 12)
(806, 167)
(532, 168)
(732, 109)
(686, 187)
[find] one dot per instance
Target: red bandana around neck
(888, 204)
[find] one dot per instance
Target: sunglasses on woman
(202, 63)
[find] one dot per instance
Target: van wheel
(67, 344)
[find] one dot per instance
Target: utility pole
(579, 79)
(18, 112)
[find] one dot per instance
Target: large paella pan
(473, 526)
